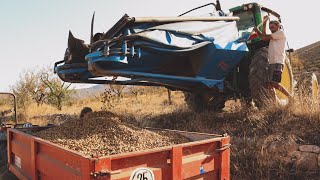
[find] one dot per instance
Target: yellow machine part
(286, 82)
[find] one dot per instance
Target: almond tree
(58, 91)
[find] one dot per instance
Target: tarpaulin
(188, 34)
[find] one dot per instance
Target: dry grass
(146, 105)
(248, 129)
(34, 110)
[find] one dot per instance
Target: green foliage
(22, 89)
(58, 92)
(41, 86)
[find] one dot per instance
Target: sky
(34, 33)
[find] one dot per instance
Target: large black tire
(200, 102)
(195, 101)
(258, 77)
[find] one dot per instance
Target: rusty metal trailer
(206, 157)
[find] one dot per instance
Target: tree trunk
(59, 104)
(169, 96)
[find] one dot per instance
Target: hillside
(89, 92)
(310, 57)
(94, 91)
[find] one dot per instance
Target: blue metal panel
(178, 55)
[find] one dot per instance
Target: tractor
(203, 56)
(248, 78)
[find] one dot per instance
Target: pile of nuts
(103, 133)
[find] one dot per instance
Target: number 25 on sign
(142, 174)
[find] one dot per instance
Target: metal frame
(150, 79)
(187, 83)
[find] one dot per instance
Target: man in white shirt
(276, 53)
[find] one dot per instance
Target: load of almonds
(103, 133)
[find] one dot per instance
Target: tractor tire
(195, 101)
(200, 102)
(258, 78)
(308, 87)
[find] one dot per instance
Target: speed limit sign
(142, 174)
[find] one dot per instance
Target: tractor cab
(251, 15)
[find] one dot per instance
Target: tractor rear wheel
(258, 78)
(200, 102)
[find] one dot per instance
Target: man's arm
(263, 36)
(265, 20)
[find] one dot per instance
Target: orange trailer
(206, 157)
